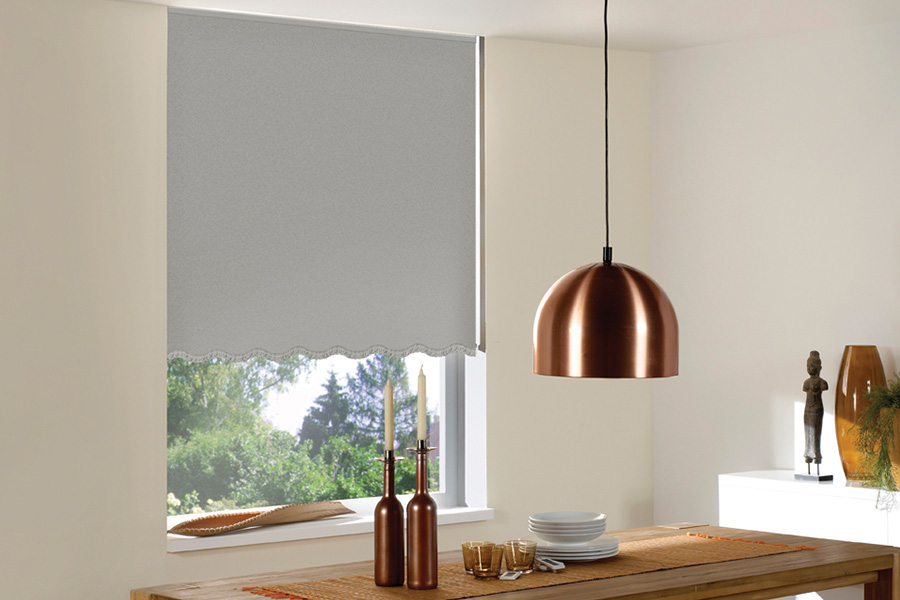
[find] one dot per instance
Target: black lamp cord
(607, 250)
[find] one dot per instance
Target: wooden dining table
(833, 564)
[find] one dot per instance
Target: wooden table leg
(888, 585)
(895, 579)
(881, 589)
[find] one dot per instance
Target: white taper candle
(421, 409)
(388, 416)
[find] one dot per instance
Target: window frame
(461, 499)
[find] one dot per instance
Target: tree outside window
(223, 452)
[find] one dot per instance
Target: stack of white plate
(572, 535)
(605, 546)
(567, 527)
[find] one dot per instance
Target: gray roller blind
(321, 189)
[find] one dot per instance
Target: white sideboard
(774, 501)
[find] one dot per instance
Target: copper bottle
(421, 529)
(389, 531)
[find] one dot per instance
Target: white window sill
(334, 526)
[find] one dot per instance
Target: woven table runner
(642, 556)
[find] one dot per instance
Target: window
(460, 426)
(323, 198)
(263, 433)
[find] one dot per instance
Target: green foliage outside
(222, 454)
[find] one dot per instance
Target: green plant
(875, 436)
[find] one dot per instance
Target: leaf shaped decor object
(214, 524)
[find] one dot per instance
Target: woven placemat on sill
(214, 524)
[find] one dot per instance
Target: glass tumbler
(519, 555)
(486, 560)
(467, 552)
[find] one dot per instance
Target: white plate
(548, 528)
(567, 517)
(568, 528)
(576, 549)
(579, 547)
(566, 537)
(565, 557)
(597, 530)
(579, 557)
(580, 539)
(587, 555)
(603, 543)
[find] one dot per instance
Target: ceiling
(644, 25)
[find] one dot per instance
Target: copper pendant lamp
(606, 319)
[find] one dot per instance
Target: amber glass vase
(860, 370)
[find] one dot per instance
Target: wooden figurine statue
(812, 415)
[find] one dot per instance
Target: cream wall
(775, 220)
(82, 234)
(82, 265)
